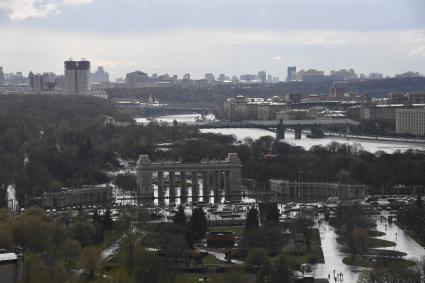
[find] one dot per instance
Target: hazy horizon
(199, 36)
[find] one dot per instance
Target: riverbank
(377, 138)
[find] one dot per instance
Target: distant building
(310, 75)
(104, 85)
(376, 76)
(86, 195)
(243, 108)
(269, 78)
(293, 114)
(409, 74)
(262, 76)
(249, 78)
(10, 267)
(77, 77)
(345, 74)
(288, 191)
(186, 76)
(398, 98)
(410, 122)
(415, 97)
(222, 77)
(293, 97)
(1, 76)
(100, 76)
(14, 79)
(209, 77)
(292, 74)
(338, 92)
(136, 79)
(410, 97)
(42, 82)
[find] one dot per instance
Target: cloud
(23, 9)
(326, 41)
(200, 51)
(417, 52)
(77, 2)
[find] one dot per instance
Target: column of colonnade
(212, 180)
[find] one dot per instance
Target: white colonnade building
(223, 177)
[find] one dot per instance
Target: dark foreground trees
(396, 273)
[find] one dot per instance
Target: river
(371, 145)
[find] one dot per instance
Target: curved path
(404, 242)
(333, 257)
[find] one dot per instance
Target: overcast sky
(218, 36)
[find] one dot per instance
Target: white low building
(410, 122)
(288, 191)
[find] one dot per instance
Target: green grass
(215, 277)
(210, 259)
(314, 255)
(364, 261)
(412, 234)
(374, 233)
(238, 230)
(372, 243)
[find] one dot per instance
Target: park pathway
(333, 257)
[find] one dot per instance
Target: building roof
(8, 256)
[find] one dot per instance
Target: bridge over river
(316, 126)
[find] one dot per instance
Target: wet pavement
(333, 257)
(404, 242)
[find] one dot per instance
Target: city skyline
(199, 37)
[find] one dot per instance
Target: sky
(219, 36)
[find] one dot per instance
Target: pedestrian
(329, 276)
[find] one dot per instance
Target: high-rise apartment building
(136, 79)
(186, 76)
(77, 77)
(209, 77)
(262, 76)
(292, 74)
(100, 76)
(1, 76)
(410, 122)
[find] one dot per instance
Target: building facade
(10, 267)
(410, 122)
(243, 108)
(136, 79)
(291, 74)
(86, 195)
(1, 76)
(77, 77)
(100, 76)
(287, 191)
(221, 177)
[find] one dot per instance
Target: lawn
(314, 255)
(215, 277)
(238, 230)
(373, 262)
(379, 243)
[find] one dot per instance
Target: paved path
(404, 242)
(333, 257)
